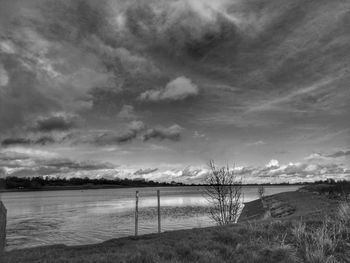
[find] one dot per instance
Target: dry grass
(326, 241)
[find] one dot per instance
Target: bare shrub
(223, 191)
(261, 191)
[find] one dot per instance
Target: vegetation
(261, 193)
(223, 191)
(46, 183)
(333, 190)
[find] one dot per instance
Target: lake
(76, 217)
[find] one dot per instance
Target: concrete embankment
(288, 205)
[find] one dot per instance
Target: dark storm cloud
(188, 27)
(55, 53)
(171, 133)
(283, 65)
(15, 141)
(21, 97)
(41, 140)
(56, 122)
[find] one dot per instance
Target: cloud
(316, 156)
(135, 64)
(339, 154)
(59, 121)
(26, 162)
(293, 172)
(35, 140)
(295, 96)
(189, 27)
(127, 113)
(20, 161)
(272, 163)
(171, 133)
(136, 126)
(15, 141)
(4, 79)
(111, 137)
(133, 130)
(145, 171)
(328, 157)
(178, 89)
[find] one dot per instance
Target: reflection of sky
(175, 201)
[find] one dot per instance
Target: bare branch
(223, 191)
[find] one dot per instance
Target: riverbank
(272, 240)
(108, 186)
(80, 187)
(289, 205)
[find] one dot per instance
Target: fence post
(158, 196)
(136, 213)
(3, 214)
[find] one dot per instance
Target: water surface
(75, 217)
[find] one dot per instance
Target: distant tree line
(42, 183)
(38, 183)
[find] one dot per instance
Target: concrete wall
(3, 214)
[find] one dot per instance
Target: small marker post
(158, 197)
(136, 213)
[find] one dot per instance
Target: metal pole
(158, 196)
(136, 213)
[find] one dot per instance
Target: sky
(155, 89)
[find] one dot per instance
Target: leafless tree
(223, 190)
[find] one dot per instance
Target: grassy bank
(274, 241)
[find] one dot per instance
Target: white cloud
(272, 163)
(178, 89)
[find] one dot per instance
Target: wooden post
(3, 214)
(137, 213)
(158, 196)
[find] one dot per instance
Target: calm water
(77, 217)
